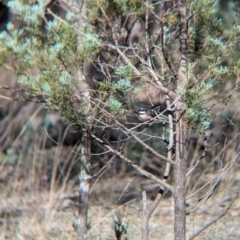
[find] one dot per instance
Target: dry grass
(49, 215)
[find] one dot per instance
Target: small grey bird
(147, 113)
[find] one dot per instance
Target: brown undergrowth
(49, 214)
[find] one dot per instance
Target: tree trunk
(180, 180)
(84, 185)
(180, 158)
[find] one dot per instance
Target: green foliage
(114, 104)
(121, 85)
(190, 72)
(90, 45)
(206, 23)
(113, 8)
(172, 19)
(127, 6)
(197, 117)
(207, 39)
(125, 72)
(115, 92)
(49, 55)
(105, 85)
(216, 45)
(31, 14)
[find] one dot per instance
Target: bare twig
(223, 170)
(215, 219)
(166, 57)
(147, 211)
(139, 169)
(200, 158)
(137, 138)
(125, 58)
(216, 184)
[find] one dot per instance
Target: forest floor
(49, 214)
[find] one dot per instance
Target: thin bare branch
(215, 219)
(200, 158)
(130, 163)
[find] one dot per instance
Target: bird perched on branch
(147, 113)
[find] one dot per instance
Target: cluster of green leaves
(205, 23)
(90, 45)
(48, 55)
(216, 44)
(211, 36)
(125, 71)
(196, 115)
(200, 92)
(116, 90)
